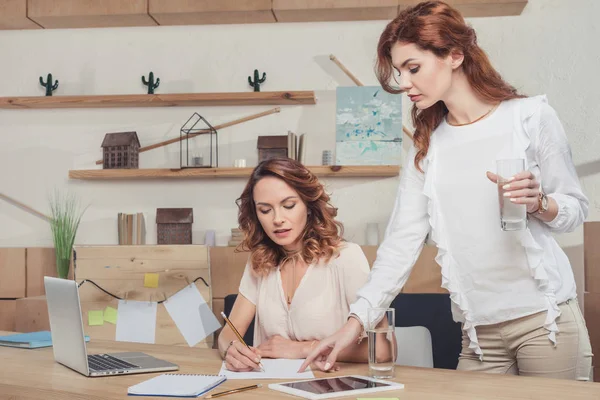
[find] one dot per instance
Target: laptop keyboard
(104, 362)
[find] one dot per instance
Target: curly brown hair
(320, 238)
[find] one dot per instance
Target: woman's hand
(239, 358)
(280, 347)
(522, 189)
(326, 352)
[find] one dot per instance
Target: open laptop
(68, 341)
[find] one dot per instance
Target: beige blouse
(320, 305)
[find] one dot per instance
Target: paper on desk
(280, 368)
(191, 314)
(136, 321)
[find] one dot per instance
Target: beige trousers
(521, 347)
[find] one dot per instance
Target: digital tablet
(327, 388)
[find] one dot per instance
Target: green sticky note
(110, 315)
(95, 318)
(151, 280)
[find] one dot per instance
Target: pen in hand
(240, 338)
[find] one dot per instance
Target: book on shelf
(297, 146)
(131, 229)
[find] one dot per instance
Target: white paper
(136, 321)
(191, 314)
(279, 368)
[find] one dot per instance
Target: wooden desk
(33, 374)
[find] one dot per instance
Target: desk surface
(33, 374)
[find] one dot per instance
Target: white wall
(548, 49)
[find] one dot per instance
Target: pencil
(242, 389)
(240, 338)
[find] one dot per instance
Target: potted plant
(65, 218)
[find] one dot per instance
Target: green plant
(150, 82)
(65, 218)
(257, 82)
(48, 85)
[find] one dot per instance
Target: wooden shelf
(160, 100)
(89, 14)
(13, 15)
(33, 14)
(186, 12)
(355, 10)
(207, 173)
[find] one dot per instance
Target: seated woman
(301, 276)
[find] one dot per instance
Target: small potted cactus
(48, 84)
(150, 82)
(257, 82)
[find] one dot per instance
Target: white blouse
(321, 302)
(492, 276)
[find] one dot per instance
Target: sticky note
(95, 317)
(110, 315)
(151, 280)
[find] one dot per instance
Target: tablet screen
(334, 385)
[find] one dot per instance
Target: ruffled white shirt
(492, 276)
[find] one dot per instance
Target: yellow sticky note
(110, 315)
(151, 280)
(95, 317)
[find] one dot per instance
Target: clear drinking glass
(382, 343)
(513, 217)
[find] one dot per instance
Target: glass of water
(382, 342)
(513, 217)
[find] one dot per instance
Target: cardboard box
(12, 273)
(41, 262)
(7, 315)
(426, 275)
(591, 314)
(226, 270)
(218, 306)
(32, 314)
(591, 256)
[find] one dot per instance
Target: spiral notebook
(177, 385)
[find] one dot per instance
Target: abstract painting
(368, 126)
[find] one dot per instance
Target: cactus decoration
(257, 82)
(48, 85)
(150, 83)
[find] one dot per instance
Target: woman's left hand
(522, 189)
(280, 347)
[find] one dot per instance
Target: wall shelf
(35, 14)
(207, 173)
(160, 100)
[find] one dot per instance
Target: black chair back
(432, 310)
(249, 335)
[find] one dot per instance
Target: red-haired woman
(513, 292)
(301, 276)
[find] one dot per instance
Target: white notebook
(176, 385)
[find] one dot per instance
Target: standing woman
(513, 292)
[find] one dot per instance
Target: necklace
(478, 119)
(293, 280)
(291, 256)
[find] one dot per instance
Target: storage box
(12, 273)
